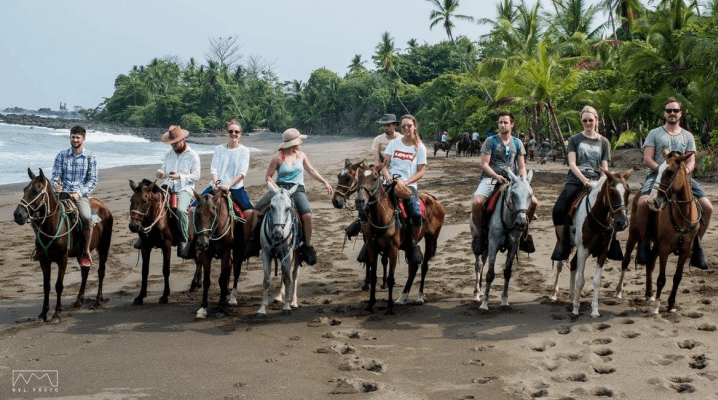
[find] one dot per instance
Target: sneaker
(307, 254)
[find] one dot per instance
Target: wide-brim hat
(291, 137)
(388, 119)
(175, 133)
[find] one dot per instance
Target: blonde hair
(415, 133)
(590, 110)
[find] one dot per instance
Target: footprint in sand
(605, 354)
(698, 362)
(688, 344)
(666, 359)
(564, 330)
(363, 364)
(603, 370)
(543, 346)
(707, 327)
(602, 341)
(601, 326)
(572, 377)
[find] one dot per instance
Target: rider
(445, 140)
(290, 163)
(588, 154)
(388, 127)
(659, 142)
(182, 162)
(545, 147)
(75, 172)
(406, 159)
(499, 152)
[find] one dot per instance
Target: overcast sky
(72, 51)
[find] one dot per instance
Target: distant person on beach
(182, 162)
(388, 127)
(545, 147)
(289, 164)
(75, 172)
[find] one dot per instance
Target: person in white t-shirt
(405, 161)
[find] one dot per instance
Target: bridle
(667, 191)
(228, 226)
(137, 215)
(613, 209)
(509, 204)
(374, 192)
(45, 203)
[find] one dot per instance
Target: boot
(698, 256)
(416, 257)
(563, 244)
(138, 243)
(527, 244)
(353, 229)
(362, 254)
(182, 250)
(307, 254)
(643, 248)
(614, 250)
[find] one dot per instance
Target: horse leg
(650, 266)
(559, 268)
(295, 283)
(204, 262)
(393, 253)
(371, 275)
(145, 272)
(630, 244)
(103, 249)
(597, 285)
(409, 281)
(59, 287)
(237, 260)
(489, 274)
(225, 270)
(507, 274)
(267, 263)
(84, 271)
(660, 282)
(677, 276)
(166, 272)
(429, 251)
(280, 295)
(45, 266)
(287, 285)
(384, 263)
(196, 279)
(582, 254)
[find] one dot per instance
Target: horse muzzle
(20, 217)
(202, 242)
(620, 223)
(134, 226)
(338, 202)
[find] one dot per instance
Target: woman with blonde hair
(588, 154)
(405, 158)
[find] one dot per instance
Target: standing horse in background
(387, 237)
(56, 239)
(347, 184)
(677, 222)
(280, 240)
(507, 225)
(475, 148)
(598, 216)
(218, 236)
(446, 146)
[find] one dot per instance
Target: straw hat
(291, 137)
(175, 133)
(387, 119)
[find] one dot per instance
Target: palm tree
(385, 52)
(572, 16)
(445, 11)
(357, 65)
(506, 9)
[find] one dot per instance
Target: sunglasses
(233, 131)
(587, 120)
(672, 110)
(407, 126)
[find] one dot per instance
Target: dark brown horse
(475, 148)
(218, 235)
(347, 184)
(55, 238)
(676, 225)
(386, 237)
(150, 217)
(446, 146)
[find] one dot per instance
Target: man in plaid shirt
(75, 172)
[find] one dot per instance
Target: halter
(670, 202)
(371, 193)
(613, 209)
(514, 212)
(213, 226)
(45, 201)
(286, 236)
(163, 210)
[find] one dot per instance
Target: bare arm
(648, 154)
(485, 161)
(271, 169)
(313, 172)
(574, 168)
(691, 163)
(521, 163)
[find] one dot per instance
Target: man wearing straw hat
(388, 127)
(182, 162)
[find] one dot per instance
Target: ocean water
(36, 147)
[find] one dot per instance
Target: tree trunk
(570, 132)
(558, 130)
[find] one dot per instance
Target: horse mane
(673, 154)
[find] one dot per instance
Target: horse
(386, 236)
(279, 238)
(598, 216)
(463, 147)
(676, 226)
(506, 226)
(446, 146)
(218, 236)
(475, 148)
(347, 184)
(56, 239)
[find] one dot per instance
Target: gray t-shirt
(502, 156)
(545, 146)
(532, 144)
(589, 155)
(660, 139)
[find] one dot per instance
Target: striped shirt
(77, 173)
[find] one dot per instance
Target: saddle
(574, 205)
(490, 205)
(75, 223)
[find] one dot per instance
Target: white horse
(279, 241)
(599, 215)
(508, 223)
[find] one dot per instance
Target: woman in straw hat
(289, 164)
(182, 162)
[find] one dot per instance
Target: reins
(163, 211)
(670, 201)
(59, 209)
(376, 192)
(228, 225)
(611, 210)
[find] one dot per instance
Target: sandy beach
(329, 347)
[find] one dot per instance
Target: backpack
(517, 144)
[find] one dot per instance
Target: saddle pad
(237, 210)
(491, 204)
(574, 206)
(421, 205)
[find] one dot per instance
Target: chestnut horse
(446, 146)
(55, 239)
(347, 184)
(386, 237)
(677, 221)
(599, 215)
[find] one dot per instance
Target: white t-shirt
(228, 163)
(405, 159)
(475, 136)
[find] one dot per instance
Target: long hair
(415, 134)
(589, 110)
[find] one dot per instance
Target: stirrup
(307, 254)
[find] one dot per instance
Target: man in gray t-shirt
(660, 141)
(545, 147)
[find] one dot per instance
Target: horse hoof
(595, 315)
(260, 315)
(193, 288)
(390, 312)
(233, 302)
(163, 300)
(419, 302)
(383, 286)
(484, 307)
(220, 314)
(77, 304)
(201, 315)
(286, 312)
(364, 288)
(138, 301)
(41, 318)
(369, 310)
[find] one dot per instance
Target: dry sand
(329, 347)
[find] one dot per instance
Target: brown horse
(150, 217)
(218, 235)
(386, 237)
(347, 184)
(55, 239)
(676, 225)
(439, 145)
(475, 148)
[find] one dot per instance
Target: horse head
(145, 198)
(368, 184)
(280, 213)
(616, 192)
(672, 177)
(207, 217)
(347, 182)
(518, 198)
(36, 200)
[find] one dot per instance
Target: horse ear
(292, 190)
(679, 159)
(607, 172)
(530, 175)
(133, 185)
(30, 174)
(628, 174)
(196, 195)
(347, 163)
(42, 175)
(511, 174)
(271, 188)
